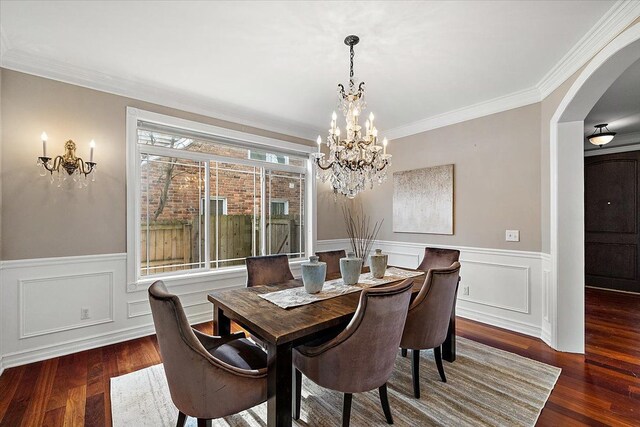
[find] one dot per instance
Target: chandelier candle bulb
(319, 142)
(92, 145)
(384, 144)
(43, 137)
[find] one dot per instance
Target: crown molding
(481, 109)
(25, 62)
(612, 23)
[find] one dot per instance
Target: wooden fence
(173, 247)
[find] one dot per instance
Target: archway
(567, 188)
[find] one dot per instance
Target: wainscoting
(499, 287)
(56, 306)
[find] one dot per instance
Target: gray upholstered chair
(428, 318)
(209, 377)
(268, 270)
(360, 358)
(332, 258)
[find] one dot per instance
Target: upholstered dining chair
(438, 258)
(362, 356)
(268, 270)
(428, 318)
(209, 377)
(332, 258)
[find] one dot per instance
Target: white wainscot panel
(42, 311)
(497, 285)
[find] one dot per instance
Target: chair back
(438, 258)
(332, 258)
(268, 270)
(366, 350)
(429, 314)
(195, 377)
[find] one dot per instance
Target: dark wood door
(612, 234)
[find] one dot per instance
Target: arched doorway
(567, 187)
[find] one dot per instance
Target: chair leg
(403, 351)
(437, 353)
(384, 400)
(346, 409)
(296, 408)
(204, 423)
(415, 372)
(182, 418)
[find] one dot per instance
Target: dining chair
(268, 270)
(362, 356)
(332, 258)
(209, 377)
(436, 258)
(428, 318)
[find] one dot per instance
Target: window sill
(181, 279)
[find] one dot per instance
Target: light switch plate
(512, 235)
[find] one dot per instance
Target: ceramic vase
(378, 264)
(350, 268)
(313, 275)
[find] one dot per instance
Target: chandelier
(355, 159)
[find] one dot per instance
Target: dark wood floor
(601, 388)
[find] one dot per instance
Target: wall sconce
(68, 162)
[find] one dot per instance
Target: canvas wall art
(423, 200)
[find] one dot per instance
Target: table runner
(295, 297)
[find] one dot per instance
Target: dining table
(281, 330)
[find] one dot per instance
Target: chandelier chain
(351, 82)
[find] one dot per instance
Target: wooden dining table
(284, 329)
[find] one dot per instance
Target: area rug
(485, 387)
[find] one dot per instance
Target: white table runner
(295, 297)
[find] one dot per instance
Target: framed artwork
(423, 200)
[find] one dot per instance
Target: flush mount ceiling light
(356, 159)
(599, 137)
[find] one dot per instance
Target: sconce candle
(92, 145)
(43, 137)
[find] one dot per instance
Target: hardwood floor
(598, 389)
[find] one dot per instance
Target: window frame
(134, 280)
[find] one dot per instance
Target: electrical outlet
(84, 313)
(512, 235)
(465, 290)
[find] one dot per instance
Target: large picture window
(257, 199)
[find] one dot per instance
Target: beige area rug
(486, 387)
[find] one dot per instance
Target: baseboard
(500, 322)
(87, 343)
(613, 290)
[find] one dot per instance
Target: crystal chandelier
(356, 159)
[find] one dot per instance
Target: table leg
(449, 345)
(279, 385)
(221, 323)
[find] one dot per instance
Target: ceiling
(619, 107)
(277, 64)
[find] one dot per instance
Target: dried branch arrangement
(361, 234)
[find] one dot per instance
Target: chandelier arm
(324, 168)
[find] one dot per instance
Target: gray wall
(41, 220)
(496, 179)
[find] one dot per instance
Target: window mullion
(263, 210)
(207, 213)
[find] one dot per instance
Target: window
(279, 207)
(257, 198)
